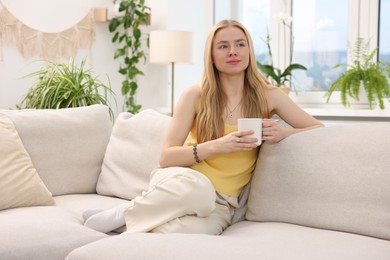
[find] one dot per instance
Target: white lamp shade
(171, 46)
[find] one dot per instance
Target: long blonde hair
(209, 121)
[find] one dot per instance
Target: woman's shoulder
(189, 97)
(192, 90)
(191, 93)
(274, 92)
(276, 97)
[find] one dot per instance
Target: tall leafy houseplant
(127, 33)
(364, 73)
(60, 85)
(279, 77)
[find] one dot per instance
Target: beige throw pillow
(335, 178)
(66, 145)
(20, 184)
(132, 153)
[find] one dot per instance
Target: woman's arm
(175, 154)
(281, 105)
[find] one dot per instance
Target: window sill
(333, 113)
(315, 104)
(349, 113)
(346, 116)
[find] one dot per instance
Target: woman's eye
(223, 46)
(241, 44)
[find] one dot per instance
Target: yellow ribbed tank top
(228, 172)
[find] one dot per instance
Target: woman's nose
(232, 51)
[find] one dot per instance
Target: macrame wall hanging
(51, 46)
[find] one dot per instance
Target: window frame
(363, 21)
(364, 14)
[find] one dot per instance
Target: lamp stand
(173, 87)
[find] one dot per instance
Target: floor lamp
(172, 47)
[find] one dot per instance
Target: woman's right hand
(235, 141)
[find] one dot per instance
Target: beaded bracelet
(195, 152)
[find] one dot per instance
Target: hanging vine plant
(127, 33)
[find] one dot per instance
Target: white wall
(187, 15)
(57, 15)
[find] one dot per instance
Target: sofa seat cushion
(332, 178)
(272, 240)
(244, 240)
(78, 203)
(66, 145)
(40, 233)
(151, 246)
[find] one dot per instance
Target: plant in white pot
(364, 75)
(60, 85)
(278, 77)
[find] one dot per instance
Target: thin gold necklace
(232, 111)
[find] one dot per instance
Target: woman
(196, 187)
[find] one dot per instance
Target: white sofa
(320, 194)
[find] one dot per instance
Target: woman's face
(230, 51)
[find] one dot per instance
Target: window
(384, 33)
(320, 29)
(256, 20)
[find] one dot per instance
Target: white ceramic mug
(255, 124)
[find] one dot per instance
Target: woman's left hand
(272, 131)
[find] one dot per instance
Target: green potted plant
(127, 33)
(278, 77)
(363, 74)
(60, 85)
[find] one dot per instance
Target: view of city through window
(319, 37)
(384, 32)
(320, 31)
(256, 17)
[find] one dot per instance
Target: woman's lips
(233, 62)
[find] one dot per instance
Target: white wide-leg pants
(179, 200)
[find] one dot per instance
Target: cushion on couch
(132, 153)
(40, 233)
(245, 240)
(20, 184)
(66, 146)
(333, 178)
